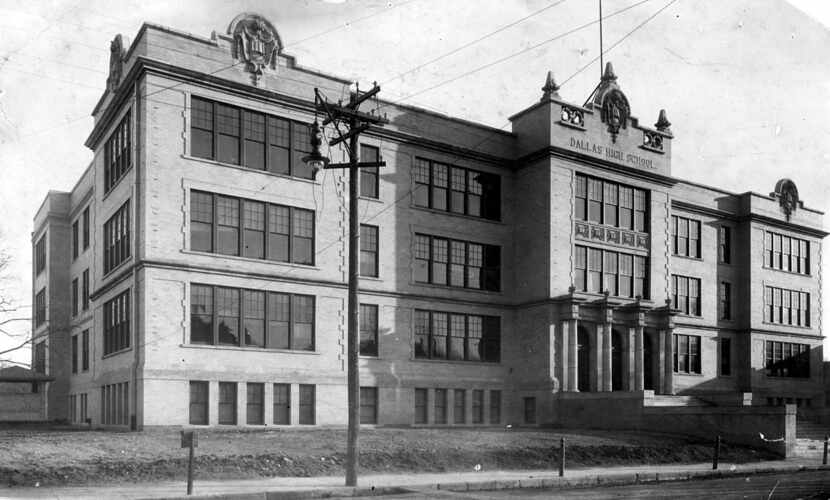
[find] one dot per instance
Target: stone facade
(553, 338)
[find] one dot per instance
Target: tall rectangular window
(40, 307)
(686, 294)
(440, 410)
(786, 359)
(369, 176)
(610, 203)
(40, 357)
(117, 154)
(459, 406)
(253, 229)
(368, 405)
(75, 298)
(456, 189)
(478, 406)
(85, 350)
(725, 244)
(726, 356)
(368, 250)
(440, 335)
(786, 253)
(85, 290)
(307, 404)
(254, 404)
(40, 255)
(75, 242)
(685, 236)
(227, 403)
(85, 219)
(117, 323)
(198, 402)
(421, 406)
(368, 330)
(495, 407)
(725, 294)
(227, 315)
(442, 261)
(74, 354)
(282, 404)
(686, 351)
(251, 139)
(254, 314)
(117, 238)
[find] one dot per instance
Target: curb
(613, 479)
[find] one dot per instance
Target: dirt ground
(53, 457)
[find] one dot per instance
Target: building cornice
(703, 210)
(789, 226)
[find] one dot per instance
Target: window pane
(439, 335)
(201, 314)
(278, 233)
(254, 224)
(302, 311)
(282, 404)
(458, 327)
(303, 249)
(227, 312)
(279, 317)
(421, 321)
(254, 318)
(368, 330)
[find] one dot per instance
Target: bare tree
(11, 312)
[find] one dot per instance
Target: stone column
(562, 356)
(595, 358)
(666, 355)
(573, 368)
(606, 357)
(556, 341)
(630, 347)
(639, 368)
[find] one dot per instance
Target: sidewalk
(328, 486)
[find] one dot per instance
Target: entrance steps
(662, 400)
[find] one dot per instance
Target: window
(117, 323)
(786, 307)
(472, 338)
(368, 330)
(85, 219)
(307, 411)
(117, 154)
(40, 307)
(623, 275)
(117, 238)
(268, 319)
(368, 405)
(725, 294)
(495, 407)
(255, 406)
(686, 294)
(85, 290)
(478, 406)
(368, 250)
(85, 350)
(74, 354)
(40, 357)
(530, 410)
(369, 176)
(785, 359)
(686, 236)
(74, 297)
(440, 406)
(726, 356)
(457, 190)
(115, 404)
(250, 139)
(610, 203)
(459, 406)
(263, 231)
(75, 242)
(686, 351)
(725, 244)
(227, 403)
(40, 255)
(198, 403)
(421, 406)
(282, 404)
(434, 257)
(786, 253)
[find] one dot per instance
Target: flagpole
(601, 64)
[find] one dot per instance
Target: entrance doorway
(583, 349)
(617, 347)
(648, 362)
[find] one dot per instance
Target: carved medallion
(615, 112)
(787, 195)
(256, 42)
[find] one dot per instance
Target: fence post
(717, 454)
(562, 456)
(824, 460)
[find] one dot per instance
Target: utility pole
(358, 123)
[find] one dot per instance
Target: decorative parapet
(636, 240)
(652, 141)
(572, 117)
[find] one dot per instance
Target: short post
(717, 454)
(189, 441)
(562, 456)
(826, 439)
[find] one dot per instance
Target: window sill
(370, 278)
(794, 273)
(116, 353)
(369, 198)
(117, 183)
(246, 169)
(250, 259)
(112, 271)
(688, 257)
(598, 295)
(609, 226)
(458, 362)
(456, 214)
(368, 356)
(247, 349)
(457, 288)
(684, 374)
(778, 325)
(689, 316)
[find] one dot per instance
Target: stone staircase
(810, 438)
(662, 400)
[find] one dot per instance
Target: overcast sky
(745, 82)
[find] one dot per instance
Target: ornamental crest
(116, 62)
(787, 195)
(256, 42)
(615, 112)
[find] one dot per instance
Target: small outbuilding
(22, 395)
